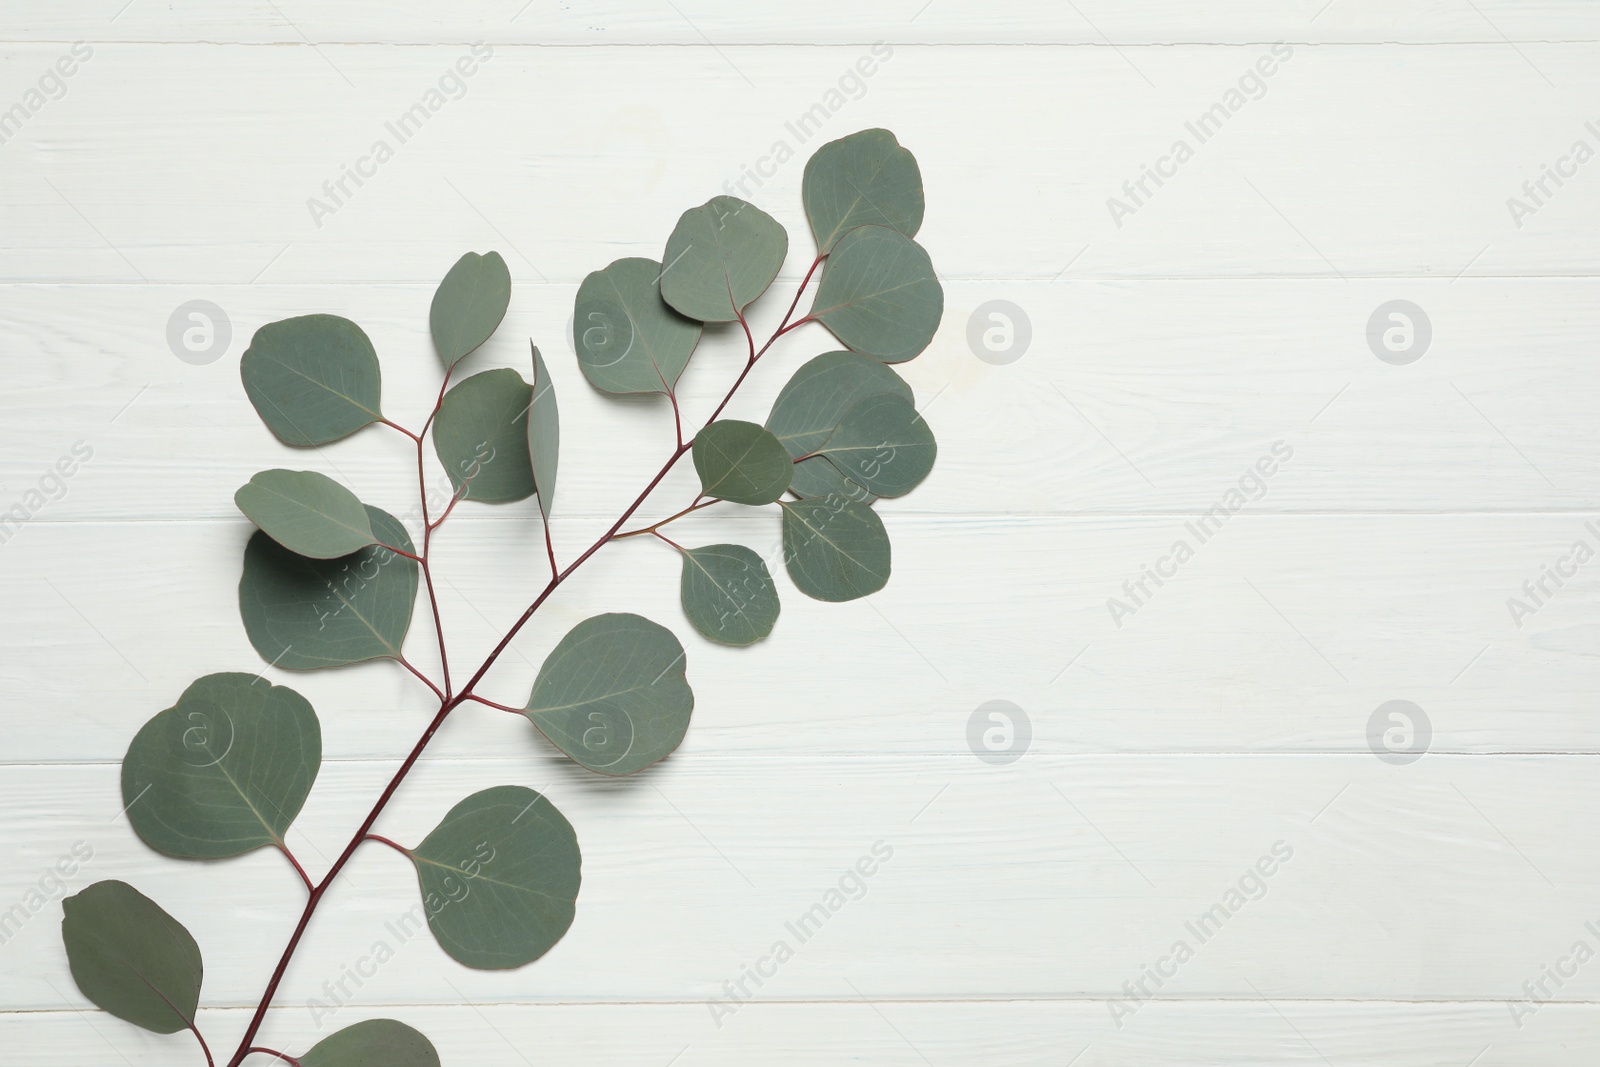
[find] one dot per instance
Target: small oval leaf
(225, 771)
(835, 549)
(865, 178)
(741, 462)
(879, 294)
(720, 257)
(302, 614)
(312, 379)
(469, 305)
(544, 434)
(627, 338)
(499, 877)
(612, 694)
(481, 437)
(131, 958)
(306, 512)
(884, 445)
(728, 594)
(374, 1043)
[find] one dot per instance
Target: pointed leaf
(544, 434)
(131, 958)
(499, 877)
(728, 594)
(721, 256)
(469, 304)
(312, 379)
(822, 392)
(481, 436)
(302, 614)
(306, 512)
(374, 1043)
(742, 462)
(627, 338)
(612, 694)
(884, 445)
(836, 549)
(223, 772)
(865, 178)
(879, 294)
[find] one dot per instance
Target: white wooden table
(1177, 740)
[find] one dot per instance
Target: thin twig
(304, 877)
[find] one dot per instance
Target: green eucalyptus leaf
(312, 379)
(306, 512)
(884, 445)
(728, 594)
(302, 614)
(225, 771)
(720, 257)
(863, 179)
(374, 1043)
(816, 477)
(469, 304)
(741, 462)
(835, 549)
(481, 436)
(627, 338)
(879, 294)
(613, 695)
(131, 958)
(499, 877)
(544, 434)
(822, 392)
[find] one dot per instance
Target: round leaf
(879, 294)
(728, 594)
(481, 436)
(836, 549)
(721, 256)
(499, 877)
(544, 434)
(223, 772)
(612, 694)
(131, 958)
(312, 379)
(627, 339)
(469, 304)
(816, 478)
(306, 512)
(884, 445)
(865, 178)
(374, 1043)
(302, 614)
(742, 462)
(822, 392)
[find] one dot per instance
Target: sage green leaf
(721, 256)
(544, 434)
(131, 958)
(374, 1043)
(627, 339)
(835, 549)
(481, 436)
(613, 695)
(728, 594)
(302, 614)
(822, 392)
(223, 772)
(817, 478)
(306, 512)
(879, 294)
(865, 178)
(499, 877)
(469, 304)
(884, 445)
(312, 379)
(741, 462)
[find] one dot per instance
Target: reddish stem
(273, 1052)
(203, 1046)
(492, 704)
(407, 664)
(385, 841)
(304, 877)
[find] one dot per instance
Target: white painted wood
(1228, 712)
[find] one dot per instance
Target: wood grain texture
(1175, 741)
